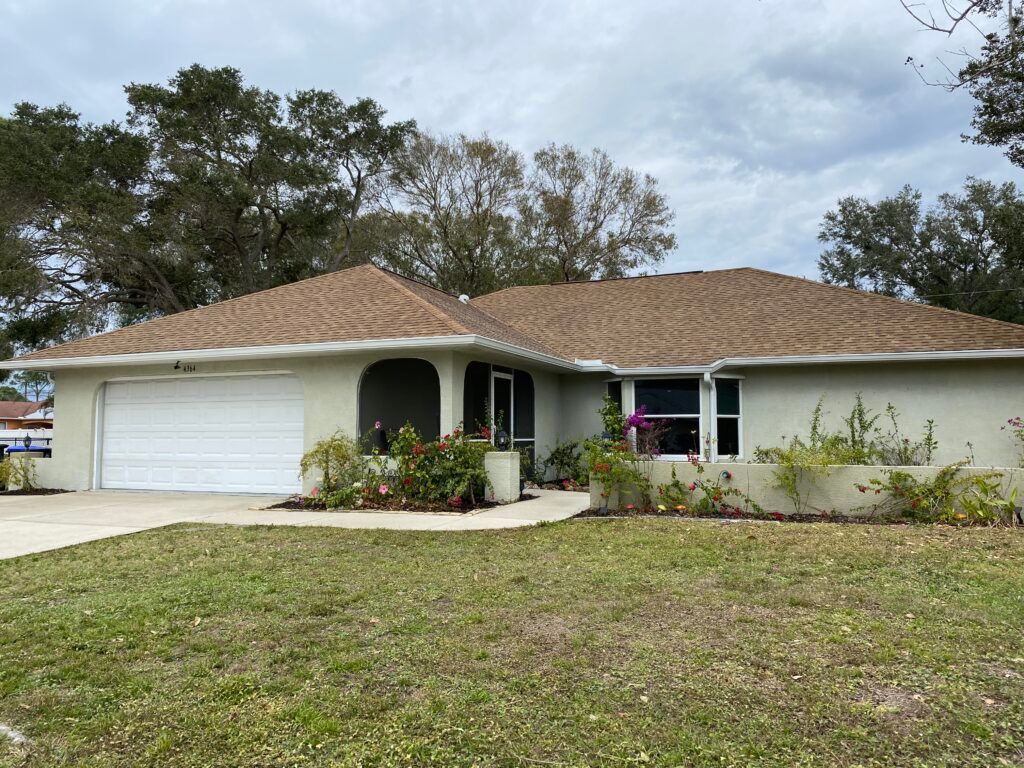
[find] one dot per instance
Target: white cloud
(755, 116)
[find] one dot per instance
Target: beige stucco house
(227, 397)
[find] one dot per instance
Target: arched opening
(397, 391)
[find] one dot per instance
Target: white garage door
(229, 434)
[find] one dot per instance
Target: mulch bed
(304, 503)
(35, 492)
(782, 518)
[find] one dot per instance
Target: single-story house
(227, 397)
(18, 414)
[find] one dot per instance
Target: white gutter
(468, 341)
(872, 357)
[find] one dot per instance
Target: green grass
(602, 642)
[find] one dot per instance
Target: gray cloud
(755, 116)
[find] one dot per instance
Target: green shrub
(18, 472)
(950, 497)
(338, 460)
(614, 465)
(567, 461)
(612, 417)
(449, 470)
(704, 496)
(801, 461)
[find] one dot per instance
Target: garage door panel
(240, 434)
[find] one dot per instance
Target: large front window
(674, 404)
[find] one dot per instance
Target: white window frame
(698, 416)
(715, 416)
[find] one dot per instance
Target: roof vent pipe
(464, 298)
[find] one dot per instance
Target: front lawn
(590, 642)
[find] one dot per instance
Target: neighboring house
(227, 397)
(16, 414)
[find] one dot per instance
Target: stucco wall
(330, 383)
(580, 399)
(835, 492)
(969, 402)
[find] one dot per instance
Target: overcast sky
(755, 115)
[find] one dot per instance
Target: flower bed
(447, 474)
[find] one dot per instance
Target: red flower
(914, 504)
(778, 516)
(443, 447)
(485, 433)
(315, 491)
(407, 481)
(455, 501)
(692, 486)
(862, 488)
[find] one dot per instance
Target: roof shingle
(697, 318)
(356, 304)
(661, 320)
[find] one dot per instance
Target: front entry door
(501, 403)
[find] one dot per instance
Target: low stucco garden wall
(837, 492)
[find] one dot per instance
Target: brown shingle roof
(698, 318)
(16, 409)
(356, 304)
(661, 320)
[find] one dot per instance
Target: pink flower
(377, 424)
(692, 486)
(383, 489)
(315, 491)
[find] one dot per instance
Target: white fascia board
(873, 357)
(458, 341)
(870, 357)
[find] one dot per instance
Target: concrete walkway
(39, 523)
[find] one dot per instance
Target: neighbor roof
(686, 319)
(698, 318)
(356, 304)
(18, 409)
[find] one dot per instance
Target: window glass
(680, 396)
(682, 436)
(522, 384)
(728, 437)
(615, 392)
(475, 393)
(728, 396)
(502, 405)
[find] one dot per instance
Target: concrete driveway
(39, 523)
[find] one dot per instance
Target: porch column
(451, 369)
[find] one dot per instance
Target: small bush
(337, 459)
(800, 461)
(567, 462)
(706, 497)
(950, 497)
(614, 465)
(18, 472)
